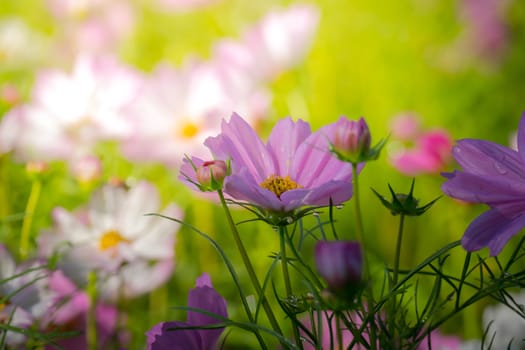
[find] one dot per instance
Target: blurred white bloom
(19, 45)
(178, 109)
(113, 236)
(277, 43)
(69, 113)
(507, 326)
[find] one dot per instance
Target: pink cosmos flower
(132, 253)
(278, 42)
(293, 169)
(178, 109)
(70, 113)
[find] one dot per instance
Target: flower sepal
(404, 204)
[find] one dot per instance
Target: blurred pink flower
(69, 113)
(277, 43)
(71, 305)
(430, 152)
(178, 109)
(92, 26)
(132, 253)
(185, 5)
(485, 28)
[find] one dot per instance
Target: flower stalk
(249, 267)
(91, 331)
(32, 202)
(286, 276)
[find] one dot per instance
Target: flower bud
(211, 174)
(340, 263)
(352, 139)
(87, 169)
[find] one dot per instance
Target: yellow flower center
(111, 239)
(2, 305)
(189, 130)
(279, 184)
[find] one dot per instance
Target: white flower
(113, 236)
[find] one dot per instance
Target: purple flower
(494, 175)
(340, 263)
(293, 169)
(167, 335)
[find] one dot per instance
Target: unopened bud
(340, 263)
(352, 137)
(211, 174)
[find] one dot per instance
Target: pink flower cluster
(155, 117)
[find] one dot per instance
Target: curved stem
(361, 239)
(34, 195)
(249, 267)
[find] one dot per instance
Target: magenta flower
(492, 174)
(416, 150)
(70, 312)
(172, 335)
(293, 169)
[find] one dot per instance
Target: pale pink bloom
(87, 169)
(71, 112)
(185, 5)
(405, 127)
(178, 109)
(113, 236)
(92, 26)
(485, 29)
(277, 43)
(9, 94)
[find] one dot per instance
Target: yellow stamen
(189, 130)
(279, 184)
(111, 239)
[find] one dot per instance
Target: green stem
(34, 195)
(91, 332)
(398, 249)
(357, 205)
(286, 277)
(249, 266)
(339, 332)
(361, 239)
